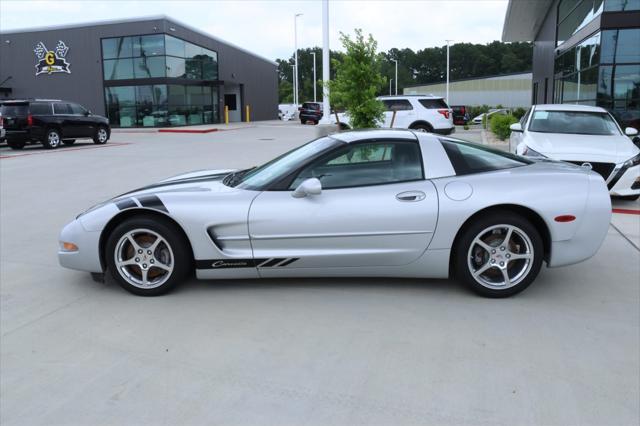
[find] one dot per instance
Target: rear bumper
(23, 135)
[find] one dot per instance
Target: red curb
(187, 130)
(56, 151)
(626, 211)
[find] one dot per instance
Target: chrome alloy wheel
(102, 135)
(500, 257)
(54, 139)
(144, 258)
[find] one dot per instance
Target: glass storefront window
(118, 69)
(191, 50)
(621, 5)
(121, 105)
(174, 46)
(149, 67)
(149, 45)
(574, 15)
(621, 46)
(175, 67)
(193, 69)
(119, 47)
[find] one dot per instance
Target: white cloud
(266, 27)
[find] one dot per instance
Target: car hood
(572, 147)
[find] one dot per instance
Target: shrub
(519, 112)
(500, 125)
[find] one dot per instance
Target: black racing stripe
(272, 262)
(127, 203)
(228, 263)
(289, 262)
(152, 202)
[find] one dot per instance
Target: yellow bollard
(247, 114)
(226, 114)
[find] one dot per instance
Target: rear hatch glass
(13, 115)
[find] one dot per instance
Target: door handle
(411, 196)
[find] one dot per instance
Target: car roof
(21, 101)
(410, 96)
(568, 107)
(358, 135)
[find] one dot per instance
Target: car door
(375, 209)
(83, 122)
(64, 117)
(405, 115)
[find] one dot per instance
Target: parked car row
(51, 123)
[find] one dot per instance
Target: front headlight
(632, 162)
(528, 152)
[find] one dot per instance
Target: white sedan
(583, 135)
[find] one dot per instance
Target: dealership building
(147, 72)
(585, 52)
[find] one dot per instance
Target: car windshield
(573, 122)
(13, 110)
(259, 177)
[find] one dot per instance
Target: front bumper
(624, 182)
(87, 257)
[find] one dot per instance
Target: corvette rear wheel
(147, 256)
(499, 255)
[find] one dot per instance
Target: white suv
(424, 113)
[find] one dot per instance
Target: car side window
(397, 105)
(364, 164)
(62, 108)
(40, 108)
(77, 109)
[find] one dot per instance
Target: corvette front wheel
(147, 256)
(499, 255)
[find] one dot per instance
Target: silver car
(363, 203)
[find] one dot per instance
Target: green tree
(358, 80)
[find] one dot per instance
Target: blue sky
(266, 27)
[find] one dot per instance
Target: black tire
(16, 144)
(422, 128)
(178, 256)
(343, 126)
(303, 121)
(69, 141)
(101, 136)
(470, 255)
(631, 197)
(52, 138)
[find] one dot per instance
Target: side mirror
(516, 127)
(631, 131)
(87, 113)
(311, 186)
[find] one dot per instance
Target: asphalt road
(296, 351)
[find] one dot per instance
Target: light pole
(447, 97)
(293, 70)
(326, 76)
(390, 81)
(314, 77)
(396, 61)
(295, 45)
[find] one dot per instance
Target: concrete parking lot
(296, 351)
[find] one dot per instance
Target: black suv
(310, 111)
(51, 122)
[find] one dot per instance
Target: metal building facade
(510, 91)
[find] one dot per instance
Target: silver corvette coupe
(362, 203)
